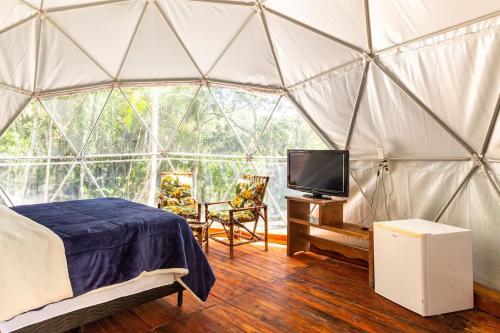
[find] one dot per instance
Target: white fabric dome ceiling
(418, 79)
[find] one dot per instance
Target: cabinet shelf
(348, 229)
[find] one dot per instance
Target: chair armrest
(247, 208)
(217, 203)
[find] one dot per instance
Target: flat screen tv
(319, 172)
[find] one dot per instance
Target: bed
(78, 261)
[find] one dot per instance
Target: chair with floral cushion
(239, 217)
(176, 195)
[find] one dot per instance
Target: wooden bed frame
(73, 321)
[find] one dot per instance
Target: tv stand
(330, 218)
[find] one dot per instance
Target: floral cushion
(173, 186)
(178, 202)
(248, 194)
(182, 210)
(176, 195)
(241, 216)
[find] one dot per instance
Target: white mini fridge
(424, 266)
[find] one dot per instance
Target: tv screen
(319, 172)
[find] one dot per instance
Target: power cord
(382, 167)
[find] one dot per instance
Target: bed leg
(180, 297)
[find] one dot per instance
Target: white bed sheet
(142, 283)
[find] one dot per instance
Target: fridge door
(400, 267)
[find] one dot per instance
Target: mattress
(142, 283)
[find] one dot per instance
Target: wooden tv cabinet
(330, 217)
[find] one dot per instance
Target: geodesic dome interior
(98, 97)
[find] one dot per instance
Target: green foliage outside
(128, 147)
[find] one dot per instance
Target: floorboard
(260, 291)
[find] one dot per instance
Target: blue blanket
(110, 240)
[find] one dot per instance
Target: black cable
(373, 194)
(385, 198)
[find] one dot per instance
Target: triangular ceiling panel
(493, 150)
(389, 119)
(395, 22)
(12, 12)
(11, 104)
(303, 54)
(18, 55)
(317, 98)
(35, 3)
(112, 27)
(249, 58)
(205, 130)
(205, 28)
(76, 114)
(162, 108)
(62, 64)
(51, 4)
(119, 130)
(458, 80)
(156, 45)
(339, 18)
(34, 134)
(287, 129)
(248, 112)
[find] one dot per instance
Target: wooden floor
(269, 292)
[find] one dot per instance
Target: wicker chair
(247, 207)
(176, 195)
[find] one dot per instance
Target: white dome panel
(11, 103)
(493, 150)
(395, 22)
(62, 64)
(303, 54)
(476, 208)
(389, 119)
(316, 97)
(51, 4)
(103, 31)
(12, 12)
(248, 59)
(18, 68)
(156, 45)
(406, 178)
(338, 18)
(206, 28)
(457, 79)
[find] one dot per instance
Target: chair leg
(266, 236)
(200, 236)
(206, 240)
(231, 240)
(180, 297)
